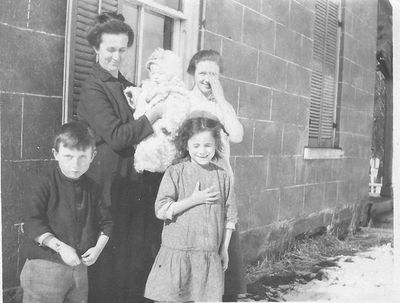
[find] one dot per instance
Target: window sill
(311, 153)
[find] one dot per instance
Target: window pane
(128, 69)
(157, 33)
(175, 4)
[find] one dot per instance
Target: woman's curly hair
(195, 125)
(108, 23)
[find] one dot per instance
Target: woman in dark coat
(121, 272)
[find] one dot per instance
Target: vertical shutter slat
(323, 78)
(84, 56)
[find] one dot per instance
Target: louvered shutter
(81, 55)
(324, 74)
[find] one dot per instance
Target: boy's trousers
(45, 281)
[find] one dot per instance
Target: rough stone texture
(291, 202)
(267, 138)
(37, 62)
(254, 101)
(48, 16)
(276, 10)
(14, 12)
(258, 31)
(272, 72)
(11, 117)
(31, 85)
(38, 129)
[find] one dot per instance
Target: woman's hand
(216, 87)
(156, 112)
(206, 196)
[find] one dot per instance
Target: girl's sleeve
(96, 109)
(167, 194)
(231, 214)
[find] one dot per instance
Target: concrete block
(11, 121)
(37, 65)
(48, 16)
(303, 112)
(281, 171)
(331, 193)
(368, 83)
(17, 181)
(305, 171)
(346, 72)
(291, 202)
(298, 80)
(323, 171)
(291, 142)
(243, 69)
(267, 138)
(254, 102)
(337, 169)
(250, 175)
(348, 22)
(265, 207)
(14, 12)
(348, 95)
(304, 224)
(244, 210)
(308, 4)
(306, 51)
(356, 75)
(284, 108)
(276, 10)
(253, 4)
(42, 117)
(313, 198)
(212, 41)
(301, 19)
(231, 92)
(244, 148)
(350, 47)
(272, 72)
(224, 18)
(287, 43)
(258, 31)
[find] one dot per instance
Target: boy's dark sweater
(72, 210)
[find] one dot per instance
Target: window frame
(185, 39)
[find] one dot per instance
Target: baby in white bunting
(156, 152)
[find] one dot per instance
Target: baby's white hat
(166, 59)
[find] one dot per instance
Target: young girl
(196, 202)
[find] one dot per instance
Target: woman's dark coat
(103, 106)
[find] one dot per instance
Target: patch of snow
(367, 277)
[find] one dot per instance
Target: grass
(311, 254)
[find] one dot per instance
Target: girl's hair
(195, 125)
(204, 55)
(74, 135)
(108, 23)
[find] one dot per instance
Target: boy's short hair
(75, 135)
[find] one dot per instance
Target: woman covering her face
(121, 271)
(207, 94)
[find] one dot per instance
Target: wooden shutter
(80, 55)
(324, 74)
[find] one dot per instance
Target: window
(324, 77)
(170, 24)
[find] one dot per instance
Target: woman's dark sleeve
(96, 109)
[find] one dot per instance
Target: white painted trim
(159, 8)
(67, 60)
(311, 153)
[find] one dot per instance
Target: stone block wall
(267, 50)
(31, 87)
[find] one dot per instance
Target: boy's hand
(68, 255)
(90, 256)
(224, 258)
(207, 196)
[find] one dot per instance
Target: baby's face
(159, 74)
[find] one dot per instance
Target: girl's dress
(188, 266)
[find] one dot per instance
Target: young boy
(67, 224)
